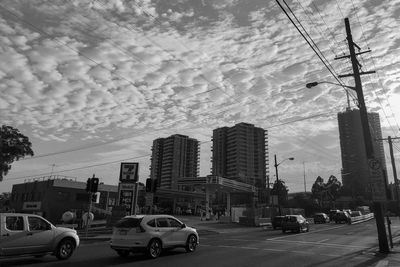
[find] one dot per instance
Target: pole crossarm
(349, 56)
(352, 74)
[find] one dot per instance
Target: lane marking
(382, 263)
(323, 240)
(323, 244)
(275, 250)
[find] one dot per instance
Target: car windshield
(128, 222)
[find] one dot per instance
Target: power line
(147, 155)
(308, 42)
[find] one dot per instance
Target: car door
(13, 235)
(40, 235)
(164, 230)
(178, 233)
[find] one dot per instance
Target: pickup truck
(29, 234)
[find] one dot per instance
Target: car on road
(277, 221)
(332, 214)
(295, 223)
(320, 218)
(29, 234)
(342, 217)
(152, 234)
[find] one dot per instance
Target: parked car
(332, 214)
(320, 218)
(277, 221)
(295, 223)
(342, 217)
(355, 213)
(152, 234)
(30, 234)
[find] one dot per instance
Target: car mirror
(183, 225)
(48, 227)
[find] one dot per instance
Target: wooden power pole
(377, 178)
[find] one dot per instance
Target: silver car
(151, 234)
(30, 234)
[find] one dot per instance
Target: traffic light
(96, 197)
(89, 185)
(94, 184)
(148, 184)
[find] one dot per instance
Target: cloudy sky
(92, 83)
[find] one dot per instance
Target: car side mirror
(48, 227)
(183, 225)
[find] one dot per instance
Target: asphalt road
(325, 245)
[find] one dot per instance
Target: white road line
(275, 250)
(323, 240)
(311, 232)
(319, 244)
(382, 263)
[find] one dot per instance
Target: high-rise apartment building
(240, 153)
(172, 158)
(355, 173)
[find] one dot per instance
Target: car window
(128, 223)
(162, 222)
(15, 223)
(37, 224)
(152, 223)
(174, 223)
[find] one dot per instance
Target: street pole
(396, 181)
(88, 214)
(277, 188)
(378, 208)
(135, 198)
(304, 173)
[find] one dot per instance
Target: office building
(172, 158)
(240, 153)
(355, 173)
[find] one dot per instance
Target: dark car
(295, 223)
(320, 218)
(342, 217)
(277, 222)
(332, 214)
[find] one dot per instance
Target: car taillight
(140, 229)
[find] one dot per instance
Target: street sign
(129, 172)
(376, 180)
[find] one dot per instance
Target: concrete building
(51, 196)
(172, 158)
(355, 173)
(241, 153)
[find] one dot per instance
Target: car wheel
(123, 253)
(191, 243)
(64, 249)
(299, 230)
(283, 230)
(154, 248)
(308, 229)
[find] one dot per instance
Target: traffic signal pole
(378, 207)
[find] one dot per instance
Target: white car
(151, 234)
(30, 234)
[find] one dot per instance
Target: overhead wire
(308, 42)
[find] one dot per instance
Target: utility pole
(376, 171)
(277, 186)
(396, 181)
(304, 173)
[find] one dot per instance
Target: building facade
(241, 153)
(172, 158)
(50, 197)
(355, 173)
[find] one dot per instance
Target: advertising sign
(129, 172)
(377, 182)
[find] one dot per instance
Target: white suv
(30, 234)
(151, 234)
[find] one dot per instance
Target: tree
(13, 146)
(326, 191)
(280, 189)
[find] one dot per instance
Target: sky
(92, 82)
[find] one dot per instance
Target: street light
(277, 179)
(309, 85)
